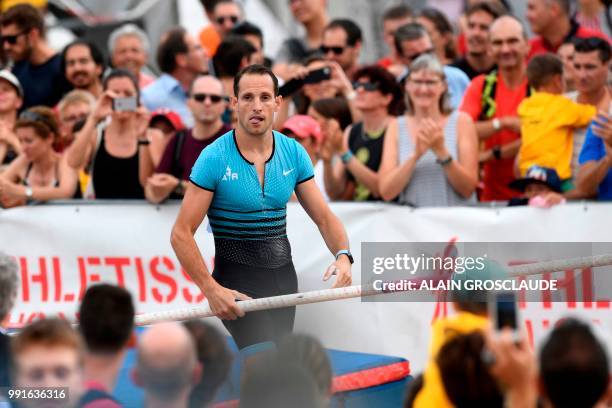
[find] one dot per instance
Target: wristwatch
(144, 142)
(29, 193)
(496, 124)
(497, 153)
(179, 189)
(445, 162)
(347, 253)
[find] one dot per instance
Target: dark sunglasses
(221, 19)
(367, 86)
(201, 97)
(335, 50)
(12, 39)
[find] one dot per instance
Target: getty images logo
(229, 175)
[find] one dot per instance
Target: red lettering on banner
(546, 296)
(118, 263)
(57, 278)
(85, 277)
(142, 287)
(25, 284)
(41, 278)
(587, 287)
(530, 335)
(187, 294)
(163, 278)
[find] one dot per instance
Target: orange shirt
(210, 40)
(497, 173)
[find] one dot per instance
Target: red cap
(304, 126)
(171, 116)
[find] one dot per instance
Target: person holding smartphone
(109, 141)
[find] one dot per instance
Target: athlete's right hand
(222, 302)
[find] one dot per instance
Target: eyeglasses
(12, 39)
(221, 19)
(427, 83)
(201, 97)
(367, 86)
(335, 50)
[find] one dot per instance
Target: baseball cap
(304, 126)
(538, 174)
(171, 116)
(12, 79)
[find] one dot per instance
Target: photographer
(110, 150)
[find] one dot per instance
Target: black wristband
(497, 153)
(445, 162)
(143, 142)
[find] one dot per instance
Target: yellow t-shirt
(433, 394)
(547, 123)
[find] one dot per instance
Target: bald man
(493, 107)
(207, 102)
(167, 367)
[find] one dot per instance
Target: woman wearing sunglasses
(378, 99)
(430, 154)
(109, 142)
(39, 173)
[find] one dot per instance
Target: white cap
(12, 79)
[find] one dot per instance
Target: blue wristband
(346, 156)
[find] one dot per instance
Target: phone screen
(129, 104)
(506, 311)
(318, 75)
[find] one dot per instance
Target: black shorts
(258, 280)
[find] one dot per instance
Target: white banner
(61, 249)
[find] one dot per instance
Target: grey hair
(428, 62)
(8, 284)
(128, 30)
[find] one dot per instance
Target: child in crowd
(541, 187)
(548, 119)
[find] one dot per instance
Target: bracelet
(346, 156)
(445, 162)
(143, 142)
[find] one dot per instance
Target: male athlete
(243, 181)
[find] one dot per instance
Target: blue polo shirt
(594, 149)
(167, 92)
(242, 206)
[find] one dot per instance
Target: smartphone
(318, 75)
(504, 311)
(290, 87)
(129, 104)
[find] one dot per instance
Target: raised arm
(393, 176)
(462, 171)
(80, 151)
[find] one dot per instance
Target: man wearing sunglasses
(181, 59)
(207, 103)
(35, 64)
(342, 44)
(223, 15)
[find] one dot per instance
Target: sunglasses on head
(367, 86)
(335, 50)
(201, 97)
(12, 39)
(221, 19)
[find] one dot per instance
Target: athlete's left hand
(342, 269)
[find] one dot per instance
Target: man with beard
(35, 64)
(83, 66)
(477, 59)
(243, 182)
(207, 103)
(492, 101)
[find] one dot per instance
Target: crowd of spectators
(470, 364)
(452, 115)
